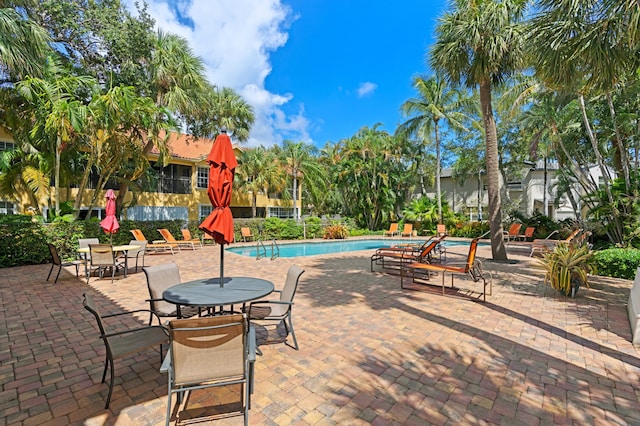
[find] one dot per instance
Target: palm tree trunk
(624, 159)
(438, 165)
(545, 187)
(498, 250)
(295, 194)
(57, 176)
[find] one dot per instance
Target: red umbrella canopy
(222, 164)
(110, 223)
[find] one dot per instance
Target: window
(204, 210)
(7, 146)
(7, 207)
(174, 179)
(281, 212)
(203, 178)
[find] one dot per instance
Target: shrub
(618, 262)
(336, 231)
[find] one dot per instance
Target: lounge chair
(441, 230)
(513, 232)
(393, 258)
(407, 231)
(528, 233)
(246, 234)
(210, 351)
(542, 245)
(186, 236)
(155, 246)
(168, 238)
(393, 230)
(472, 267)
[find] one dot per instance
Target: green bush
(468, 229)
(617, 262)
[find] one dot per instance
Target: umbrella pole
(221, 265)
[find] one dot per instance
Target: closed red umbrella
(222, 164)
(110, 222)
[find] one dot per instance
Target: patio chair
(206, 237)
(391, 258)
(186, 236)
(279, 310)
(407, 231)
(160, 278)
(441, 230)
(136, 253)
(155, 246)
(472, 267)
(102, 258)
(393, 230)
(210, 352)
(542, 245)
(246, 234)
(119, 344)
(168, 237)
(513, 232)
(56, 261)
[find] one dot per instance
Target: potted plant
(567, 267)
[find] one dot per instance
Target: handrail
(276, 253)
(260, 253)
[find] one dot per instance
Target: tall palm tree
(436, 101)
(480, 43)
(300, 160)
(258, 172)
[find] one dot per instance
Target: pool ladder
(261, 250)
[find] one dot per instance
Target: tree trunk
(295, 194)
(254, 204)
(57, 176)
(83, 185)
(438, 167)
(545, 187)
(498, 250)
(624, 159)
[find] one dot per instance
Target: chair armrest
(272, 302)
(133, 312)
(132, 330)
(166, 363)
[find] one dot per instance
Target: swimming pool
(329, 247)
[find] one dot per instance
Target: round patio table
(208, 292)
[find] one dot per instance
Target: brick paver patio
(370, 353)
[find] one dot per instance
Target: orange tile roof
(188, 147)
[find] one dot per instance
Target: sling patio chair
(472, 267)
(121, 343)
(168, 237)
(279, 310)
(441, 230)
(102, 257)
(56, 261)
(528, 233)
(407, 231)
(137, 254)
(156, 246)
(160, 278)
(393, 230)
(210, 352)
(393, 258)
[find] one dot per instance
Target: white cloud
(366, 88)
(235, 39)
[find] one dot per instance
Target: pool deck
(370, 352)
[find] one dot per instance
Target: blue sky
(314, 70)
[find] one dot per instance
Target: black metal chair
(56, 261)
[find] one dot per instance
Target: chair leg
(58, 274)
(293, 333)
(110, 384)
(50, 271)
(169, 401)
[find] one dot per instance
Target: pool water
(329, 247)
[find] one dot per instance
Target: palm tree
(300, 160)
(58, 113)
(436, 101)
(258, 172)
(480, 43)
(23, 43)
